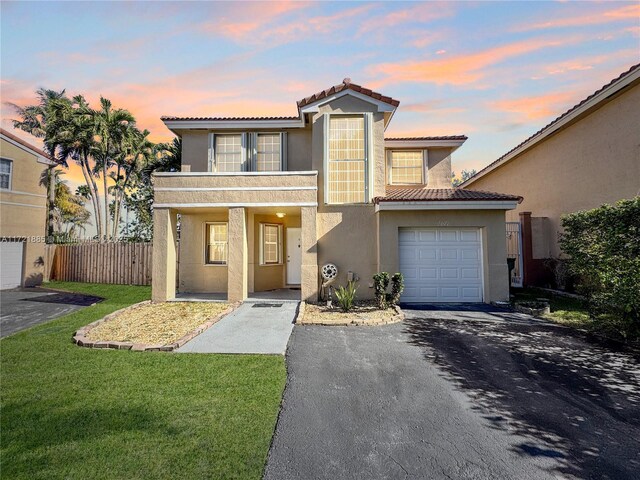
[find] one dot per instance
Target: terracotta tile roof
(549, 125)
(17, 139)
(222, 119)
(410, 194)
(443, 137)
(346, 85)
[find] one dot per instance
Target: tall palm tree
(39, 120)
(110, 127)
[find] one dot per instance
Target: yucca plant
(346, 296)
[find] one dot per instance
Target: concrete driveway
(24, 308)
(456, 394)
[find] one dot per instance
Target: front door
(294, 256)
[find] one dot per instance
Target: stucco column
(237, 263)
(163, 285)
(309, 247)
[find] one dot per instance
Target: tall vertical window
(268, 152)
(6, 166)
(271, 251)
(229, 153)
(346, 160)
(216, 244)
(407, 167)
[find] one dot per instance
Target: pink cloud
(422, 12)
(629, 12)
(536, 107)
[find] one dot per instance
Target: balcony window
(6, 167)
(407, 167)
(216, 244)
(268, 152)
(346, 163)
(229, 153)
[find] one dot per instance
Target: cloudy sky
(496, 72)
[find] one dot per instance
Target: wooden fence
(119, 263)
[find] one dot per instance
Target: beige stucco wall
(163, 276)
(299, 149)
(594, 161)
(195, 150)
(195, 276)
(439, 163)
(23, 210)
(491, 223)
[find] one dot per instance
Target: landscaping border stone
(80, 336)
(399, 317)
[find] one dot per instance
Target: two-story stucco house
(264, 203)
(23, 207)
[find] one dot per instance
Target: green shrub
(380, 284)
(346, 296)
(397, 287)
(603, 246)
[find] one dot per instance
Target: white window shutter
(212, 155)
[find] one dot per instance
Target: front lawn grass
(564, 310)
(76, 413)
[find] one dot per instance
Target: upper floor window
(268, 152)
(346, 160)
(6, 169)
(216, 243)
(229, 153)
(407, 167)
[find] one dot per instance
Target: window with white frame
(271, 244)
(268, 152)
(346, 161)
(229, 153)
(216, 243)
(6, 169)
(407, 167)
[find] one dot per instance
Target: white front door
(441, 264)
(294, 256)
(10, 264)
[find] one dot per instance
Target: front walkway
(255, 327)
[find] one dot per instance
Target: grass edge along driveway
(71, 412)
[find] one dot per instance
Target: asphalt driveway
(460, 395)
(25, 308)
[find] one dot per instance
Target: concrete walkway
(255, 327)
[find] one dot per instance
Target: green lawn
(565, 310)
(75, 413)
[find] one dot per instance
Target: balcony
(192, 190)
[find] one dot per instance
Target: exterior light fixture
(280, 214)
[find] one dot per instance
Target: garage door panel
(10, 264)
(441, 265)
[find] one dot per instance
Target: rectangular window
(268, 152)
(346, 160)
(6, 167)
(216, 244)
(229, 153)
(271, 244)
(407, 167)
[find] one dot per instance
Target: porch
(291, 294)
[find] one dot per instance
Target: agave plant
(346, 296)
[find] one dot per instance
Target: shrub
(603, 246)
(346, 296)
(380, 284)
(397, 287)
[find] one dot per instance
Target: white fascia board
(235, 204)
(234, 174)
(231, 124)
(391, 144)
(315, 106)
(449, 205)
(38, 155)
(551, 129)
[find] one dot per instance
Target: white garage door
(10, 264)
(441, 264)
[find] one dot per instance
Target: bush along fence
(108, 262)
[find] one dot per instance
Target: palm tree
(110, 127)
(40, 121)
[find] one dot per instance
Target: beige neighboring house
(265, 203)
(588, 156)
(23, 207)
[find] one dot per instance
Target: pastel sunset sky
(496, 72)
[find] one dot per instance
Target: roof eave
(396, 205)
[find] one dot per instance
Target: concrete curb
(80, 336)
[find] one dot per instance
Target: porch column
(163, 280)
(237, 263)
(309, 247)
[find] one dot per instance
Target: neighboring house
(264, 203)
(23, 207)
(588, 156)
